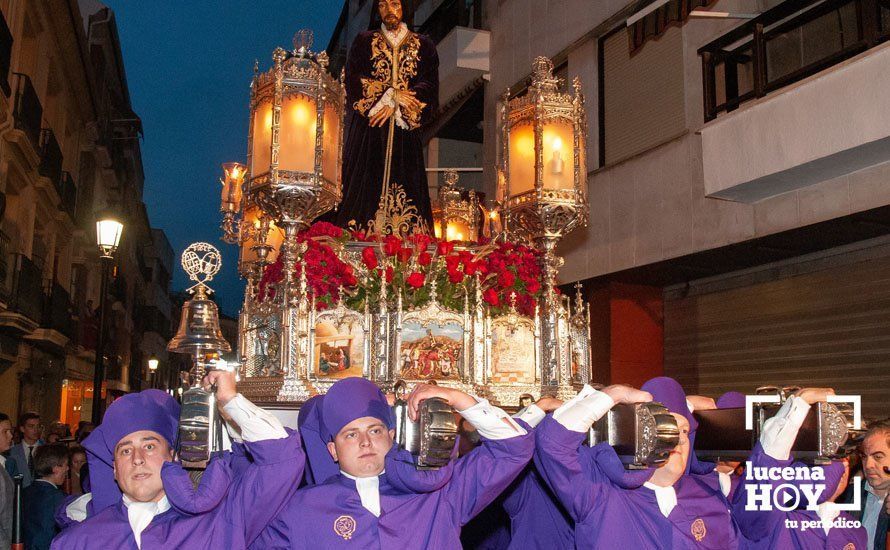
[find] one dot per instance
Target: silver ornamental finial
(451, 178)
(303, 42)
(542, 75)
(201, 261)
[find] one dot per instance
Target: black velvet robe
(368, 76)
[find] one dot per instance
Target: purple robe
(608, 515)
(331, 515)
(256, 495)
(368, 75)
(537, 519)
(767, 529)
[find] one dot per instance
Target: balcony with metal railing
(22, 292)
(795, 97)
(50, 158)
(68, 194)
(28, 111)
(794, 40)
(57, 312)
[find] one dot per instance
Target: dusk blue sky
(189, 66)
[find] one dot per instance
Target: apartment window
(641, 96)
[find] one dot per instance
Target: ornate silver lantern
(295, 141)
(457, 219)
(543, 185)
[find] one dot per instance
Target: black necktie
(31, 461)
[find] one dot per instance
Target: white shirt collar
(665, 496)
(725, 482)
(2, 461)
(368, 491)
(827, 512)
(140, 514)
(395, 38)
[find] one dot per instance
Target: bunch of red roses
(410, 267)
(326, 274)
(514, 276)
(509, 274)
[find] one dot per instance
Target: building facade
(69, 149)
(739, 186)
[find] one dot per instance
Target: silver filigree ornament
(202, 261)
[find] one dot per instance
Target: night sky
(189, 66)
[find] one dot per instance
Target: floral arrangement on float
(414, 268)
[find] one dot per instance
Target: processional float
(395, 305)
(299, 336)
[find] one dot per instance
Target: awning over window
(655, 23)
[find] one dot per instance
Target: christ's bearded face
(390, 12)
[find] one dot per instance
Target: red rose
(369, 257)
(421, 241)
(424, 258)
(452, 262)
(405, 254)
(389, 274)
(470, 268)
(491, 297)
(444, 248)
(532, 286)
(391, 245)
(506, 279)
(455, 276)
(415, 280)
(526, 305)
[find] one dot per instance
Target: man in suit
(22, 454)
(44, 495)
(6, 486)
(875, 452)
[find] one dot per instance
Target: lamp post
(108, 237)
(153, 368)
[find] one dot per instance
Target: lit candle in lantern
(450, 233)
(231, 186)
(556, 163)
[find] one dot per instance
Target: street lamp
(108, 237)
(153, 368)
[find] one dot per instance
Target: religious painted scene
(445, 274)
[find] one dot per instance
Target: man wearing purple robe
(775, 528)
(378, 498)
(663, 507)
(392, 89)
(726, 472)
(141, 499)
(537, 518)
